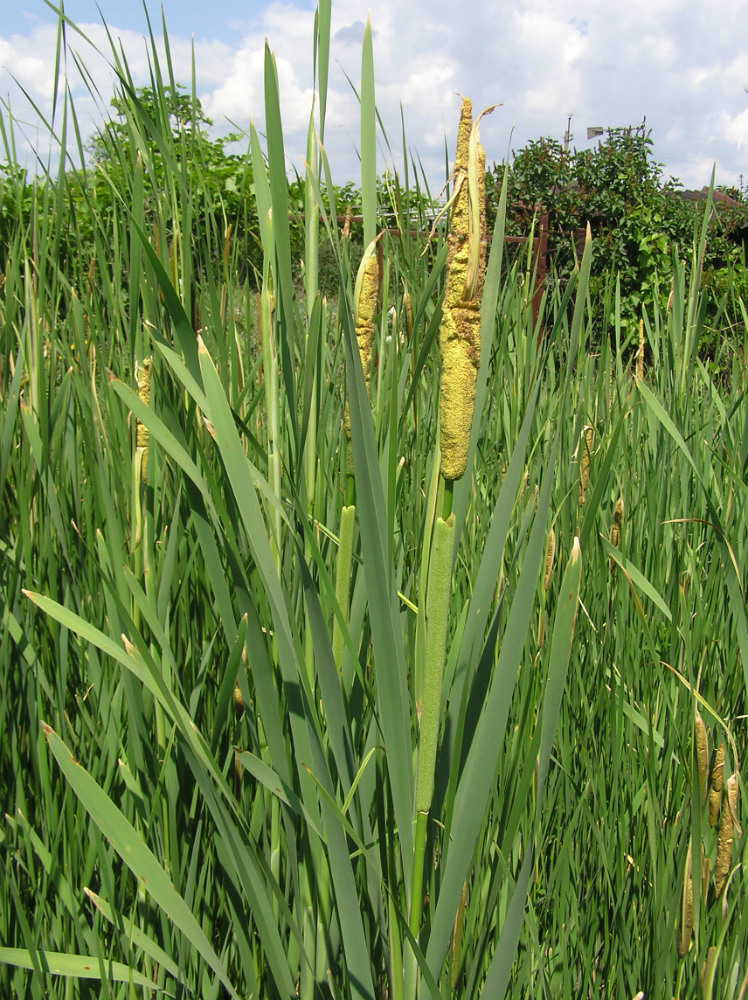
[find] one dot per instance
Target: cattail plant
(459, 335)
(715, 784)
(685, 930)
(727, 823)
(550, 552)
(586, 444)
(459, 343)
(616, 530)
(702, 756)
(429, 718)
(550, 555)
(365, 302)
(708, 969)
(143, 376)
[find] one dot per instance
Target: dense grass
(175, 712)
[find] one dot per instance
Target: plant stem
(343, 578)
(437, 612)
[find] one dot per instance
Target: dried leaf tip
(587, 444)
(550, 552)
(616, 530)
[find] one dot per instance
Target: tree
(166, 131)
(637, 219)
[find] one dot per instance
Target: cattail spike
(686, 907)
(143, 375)
(702, 755)
(715, 791)
(459, 336)
(727, 822)
(586, 443)
(616, 530)
(550, 552)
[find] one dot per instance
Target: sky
(551, 65)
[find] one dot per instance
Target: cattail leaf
(57, 963)
(733, 577)
(275, 785)
(500, 969)
(278, 182)
(324, 16)
(638, 579)
(474, 787)
(262, 188)
(389, 653)
(480, 606)
(558, 658)
(179, 318)
(130, 846)
(368, 138)
(242, 479)
(136, 935)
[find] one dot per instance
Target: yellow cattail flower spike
(459, 336)
(367, 290)
(143, 374)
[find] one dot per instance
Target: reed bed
(290, 707)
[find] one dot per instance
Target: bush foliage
(640, 221)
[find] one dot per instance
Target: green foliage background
(200, 797)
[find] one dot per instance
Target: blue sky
(603, 63)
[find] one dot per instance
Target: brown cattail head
(586, 443)
(686, 906)
(702, 755)
(706, 974)
(616, 530)
(550, 552)
(238, 701)
(715, 791)
(408, 304)
(727, 821)
(459, 336)
(367, 290)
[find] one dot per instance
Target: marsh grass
(566, 792)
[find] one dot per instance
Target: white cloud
(605, 63)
